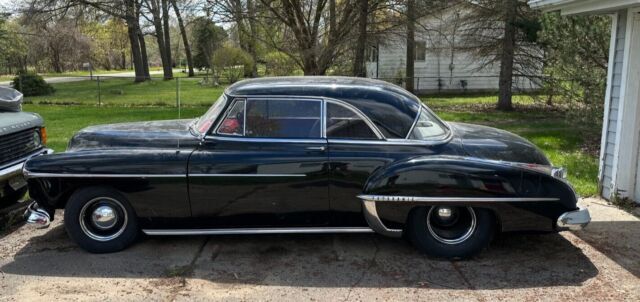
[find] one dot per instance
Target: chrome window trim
(226, 115)
(217, 120)
(246, 99)
(415, 122)
(359, 113)
(248, 231)
(424, 107)
(244, 175)
(266, 139)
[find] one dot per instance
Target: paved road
(65, 79)
(599, 263)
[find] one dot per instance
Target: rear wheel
(451, 232)
(100, 220)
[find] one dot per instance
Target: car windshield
(203, 123)
(428, 127)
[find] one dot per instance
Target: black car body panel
(177, 180)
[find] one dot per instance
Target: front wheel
(451, 232)
(100, 220)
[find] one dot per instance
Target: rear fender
(520, 198)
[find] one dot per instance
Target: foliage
(279, 64)
(577, 50)
(109, 43)
(207, 38)
(31, 84)
(232, 62)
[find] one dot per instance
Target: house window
(421, 50)
(371, 54)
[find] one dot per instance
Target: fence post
(417, 84)
(99, 92)
(178, 95)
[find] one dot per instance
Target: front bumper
(14, 168)
(574, 220)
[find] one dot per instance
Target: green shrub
(279, 64)
(232, 63)
(31, 84)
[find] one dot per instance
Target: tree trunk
(251, 11)
(506, 59)
(136, 55)
(185, 38)
(143, 52)
(411, 44)
(359, 69)
(168, 69)
(154, 8)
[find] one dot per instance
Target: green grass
(63, 121)
(123, 91)
(563, 142)
(566, 144)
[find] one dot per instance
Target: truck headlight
(37, 140)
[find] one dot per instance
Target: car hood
(11, 122)
(495, 144)
(154, 134)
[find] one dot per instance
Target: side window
(342, 122)
(233, 123)
(283, 119)
(427, 128)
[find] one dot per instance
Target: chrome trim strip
(415, 122)
(247, 231)
(388, 198)
(246, 175)
(267, 140)
(359, 113)
(29, 174)
(374, 221)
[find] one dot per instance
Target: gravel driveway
(599, 263)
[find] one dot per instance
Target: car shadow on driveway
(354, 260)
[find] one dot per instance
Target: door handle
(320, 148)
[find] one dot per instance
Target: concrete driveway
(599, 263)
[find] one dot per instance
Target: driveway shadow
(618, 240)
(368, 260)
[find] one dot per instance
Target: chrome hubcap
(451, 225)
(103, 219)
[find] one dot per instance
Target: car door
(356, 150)
(264, 165)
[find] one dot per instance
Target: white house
(441, 63)
(619, 164)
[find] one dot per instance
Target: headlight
(37, 140)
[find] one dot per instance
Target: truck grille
(16, 145)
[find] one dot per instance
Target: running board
(247, 231)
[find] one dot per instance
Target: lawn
(565, 143)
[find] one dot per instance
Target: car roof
(390, 107)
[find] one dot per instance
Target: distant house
(619, 174)
(442, 61)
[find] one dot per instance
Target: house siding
(614, 104)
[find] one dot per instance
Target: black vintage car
(303, 155)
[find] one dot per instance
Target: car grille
(16, 145)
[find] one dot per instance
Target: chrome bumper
(15, 168)
(574, 220)
(37, 217)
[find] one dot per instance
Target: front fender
(154, 181)
(521, 198)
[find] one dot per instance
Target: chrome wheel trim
(98, 237)
(470, 230)
(104, 217)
